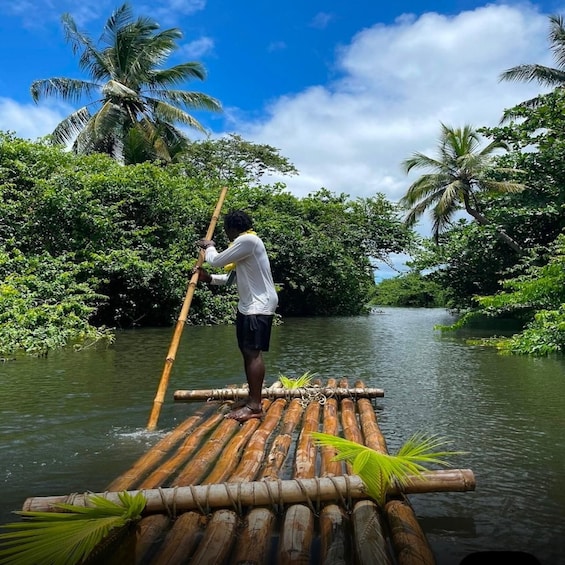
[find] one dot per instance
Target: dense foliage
(411, 290)
(88, 244)
(474, 266)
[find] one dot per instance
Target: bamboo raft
(262, 492)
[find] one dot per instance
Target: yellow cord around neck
(231, 266)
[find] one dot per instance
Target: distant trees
(135, 117)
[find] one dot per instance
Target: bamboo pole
(183, 454)
(410, 543)
(263, 492)
(132, 477)
(254, 541)
(254, 453)
(181, 540)
(368, 523)
(231, 454)
(330, 468)
(273, 393)
(160, 396)
(204, 458)
(218, 539)
(281, 444)
(369, 539)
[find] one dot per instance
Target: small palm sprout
(301, 382)
(379, 471)
(69, 536)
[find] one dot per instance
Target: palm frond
(379, 471)
(67, 88)
(301, 382)
(70, 536)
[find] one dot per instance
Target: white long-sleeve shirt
(255, 286)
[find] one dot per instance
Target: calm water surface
(74, 421)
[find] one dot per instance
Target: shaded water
(74, 421)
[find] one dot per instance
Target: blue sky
(345, 90)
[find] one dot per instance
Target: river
(73, 421)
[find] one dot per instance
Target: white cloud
(31, 121)
(198, 48)
(398, 83)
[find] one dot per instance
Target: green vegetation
(300, 382)
(88, 245)
(410, 290)
(484, 276)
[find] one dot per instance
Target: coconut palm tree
(133, 118)
(546, 76)
(456, 177)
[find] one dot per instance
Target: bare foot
(244, 413)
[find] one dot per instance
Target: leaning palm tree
(133, 118)
(546, 76)
(456, 177)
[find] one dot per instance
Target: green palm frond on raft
(301, 382)
(379, 471)
(70, 536)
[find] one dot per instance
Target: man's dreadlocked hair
(238, 220)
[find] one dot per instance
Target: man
(247, 258)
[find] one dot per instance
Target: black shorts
(254, 331)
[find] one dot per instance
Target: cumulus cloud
(31, 121)
(397, 84)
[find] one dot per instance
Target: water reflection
(72, 422)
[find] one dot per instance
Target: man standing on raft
(246, 261)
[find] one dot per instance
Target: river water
(71, 422)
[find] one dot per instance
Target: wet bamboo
(297, 530)
(163, 383)
(254, 541)
(369, 536)
(250, 463)
(197, 468)
(231, 453)
(350, 426)
(263, 492)
(333, 521)
(149, 533)
(335, 536)
(185, 452)
(131, 478)
(281, 445)
(296, 536)
(305, 458)
(181, 540)
(215, 546)
(330, 468)
(410, 543)
(273, 393)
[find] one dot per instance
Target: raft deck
(263, 492)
